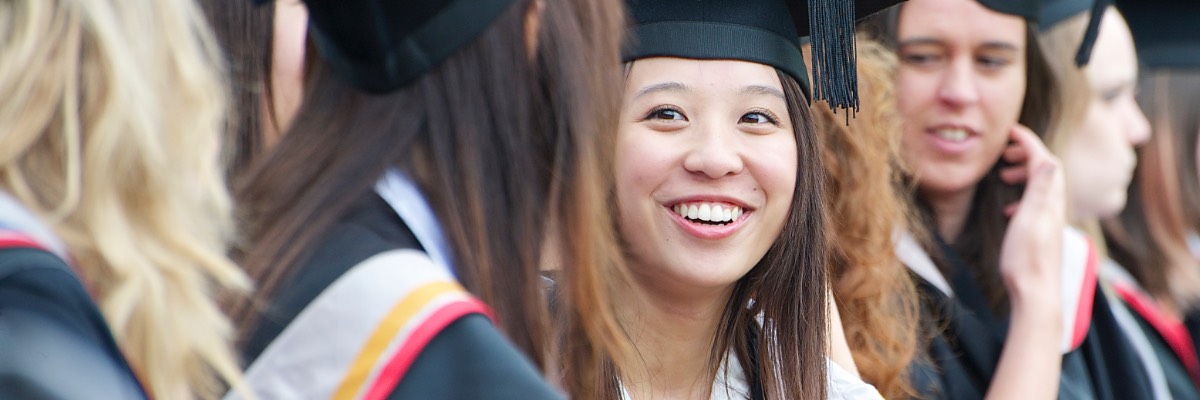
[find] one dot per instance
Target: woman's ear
(533, 25)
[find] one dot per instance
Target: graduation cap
(1048, 13)
(382, 45)
(1054, 11)
(1166, 32)
(1028, 9)
(762, 31)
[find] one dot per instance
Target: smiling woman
(708, 144)
(719, 191)
(1014, 287)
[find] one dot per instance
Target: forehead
(710, 74)
(1113, 57)
(959, 22)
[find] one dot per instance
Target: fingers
(1014, 175)
(1016, 153)
(1040, 171)
(1011, 209)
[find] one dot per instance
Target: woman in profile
(396, 228)
(113, 213)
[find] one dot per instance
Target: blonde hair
(1059, 44)
(867, 206)
(111, 123)
(1171, 276)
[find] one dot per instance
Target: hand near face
(1031, 255)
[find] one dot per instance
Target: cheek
(913, 92)
(1096, 155)
(1002, 101)
(640, 164)
(774, 166)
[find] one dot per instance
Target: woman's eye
(666, 114)
(919, 58)
(992, 62)
(758, 118)
(1111, 95)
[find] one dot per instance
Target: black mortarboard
(762, 31)
(1166, 32)
(381, 45)
(1054, 11)
(1022, 8)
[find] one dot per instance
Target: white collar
(731, 383)
(402, 194)
(15, 216)
(912, 255)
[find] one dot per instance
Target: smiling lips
(952, 139)
(708, 220)
(708, 212)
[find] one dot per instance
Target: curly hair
(866, 205)
(111, 136)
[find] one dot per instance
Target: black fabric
(966, 340)
(1054, 11)
(1117, 371)
(1166, 32)
(709, 41)
(955, 368)
(1192, 323)
(381, 45)
(761, 31)
(1027, 9)
(470, 359)
(54, 343)
(1181, 385)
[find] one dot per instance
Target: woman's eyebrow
(662, 87)
(757, 90)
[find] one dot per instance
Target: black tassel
(834, 69)
(1093, 30)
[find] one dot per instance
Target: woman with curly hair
(113, 213)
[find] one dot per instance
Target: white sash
(404, 197)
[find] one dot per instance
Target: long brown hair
(497, 144)
(867, 206)
(979, 246)
(245, 32)
(1149, 237)
(787, 287)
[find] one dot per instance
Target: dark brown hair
(499, 145)
(1149, 237)
(246, 34)
(788, 287)
(979, 244)
(867, 205)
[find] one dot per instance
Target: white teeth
(710, 212)
(952, 134)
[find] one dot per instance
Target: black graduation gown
(967, 340)
(468, 359)
(54, 343)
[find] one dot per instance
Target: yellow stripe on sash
(397, 318)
